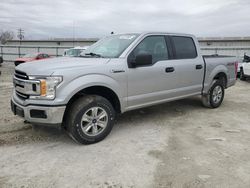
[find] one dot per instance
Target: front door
(148, 84)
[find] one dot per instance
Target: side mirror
(141, 60)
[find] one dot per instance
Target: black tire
(16, 63)
(242, 76)
(82, 106)
(209, 101)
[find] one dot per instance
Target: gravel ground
(177, 144)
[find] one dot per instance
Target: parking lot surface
(177, 144)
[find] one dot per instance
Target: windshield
(111, 47)
(73, 52)
(30, 56)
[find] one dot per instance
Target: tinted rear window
(184, 47)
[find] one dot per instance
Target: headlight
(47, 87)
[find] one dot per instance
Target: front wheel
(17, 63)
(215, 95)
(90, 119)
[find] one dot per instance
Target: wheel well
(97, 90)
(223, 77)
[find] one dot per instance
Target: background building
(235, 46)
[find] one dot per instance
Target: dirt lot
(177, 144)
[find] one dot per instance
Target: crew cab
(119, 73)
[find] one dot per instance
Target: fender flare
(209, 79)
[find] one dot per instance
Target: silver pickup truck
(117, 74)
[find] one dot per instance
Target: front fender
(68, 90)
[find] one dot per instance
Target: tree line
(5, 36)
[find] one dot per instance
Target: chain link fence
(11, 52)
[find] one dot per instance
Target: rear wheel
(215, 95)
(242, 76)
(90, 119)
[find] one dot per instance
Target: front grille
(21, 75)
(22, 96)
(25, 87)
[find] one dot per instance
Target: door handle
(169, 69)
(198, 66)
(117, 70)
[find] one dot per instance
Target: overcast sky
(97, 18)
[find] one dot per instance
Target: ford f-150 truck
(117, 74)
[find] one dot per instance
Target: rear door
(189, 67)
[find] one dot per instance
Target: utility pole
(20, 34)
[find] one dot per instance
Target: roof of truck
(156, 33)
(166, 33)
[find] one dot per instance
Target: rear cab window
(184, 47)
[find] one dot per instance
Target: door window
(153, 45)
(184, 47)
(40, 56)
(45, 55)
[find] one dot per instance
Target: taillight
(236, 68)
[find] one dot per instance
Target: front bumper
(39, 114)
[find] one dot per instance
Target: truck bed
(223, 62)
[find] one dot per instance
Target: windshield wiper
(93, 54)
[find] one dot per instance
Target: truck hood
(48, 66)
